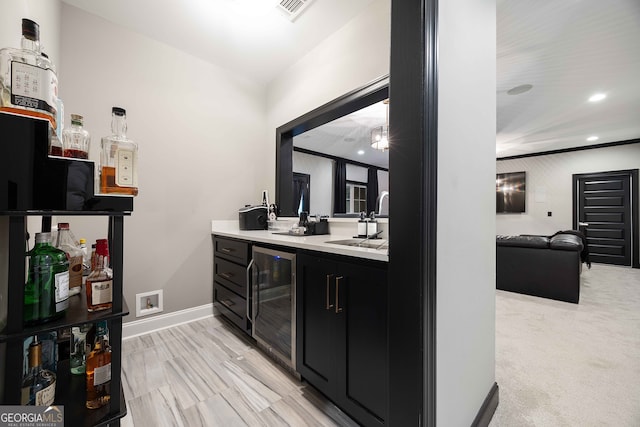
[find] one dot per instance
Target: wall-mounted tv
(510, 192)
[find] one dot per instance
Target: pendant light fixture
(380, 134)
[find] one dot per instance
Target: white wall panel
(465, 336)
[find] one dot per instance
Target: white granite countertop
(229, 228)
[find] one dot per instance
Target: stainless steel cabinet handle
(226, 275)
(328, 305)
(583, 224)
(227, 250)
(249, 288)
(338, 308)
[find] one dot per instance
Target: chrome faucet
(380, 200)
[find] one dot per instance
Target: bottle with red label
(99, 285)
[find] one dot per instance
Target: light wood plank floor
(204, 373)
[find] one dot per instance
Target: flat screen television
(510, 192)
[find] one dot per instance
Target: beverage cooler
(274, 302)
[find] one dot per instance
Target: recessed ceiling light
(361, 152)
(519, 89)
(597, 97)
(592, 138)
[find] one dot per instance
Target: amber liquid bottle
(98, 369)
(99, 284)
(118, 158)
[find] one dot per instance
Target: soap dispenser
(372, 226)
(362, 225)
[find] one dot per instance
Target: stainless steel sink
(362, 243)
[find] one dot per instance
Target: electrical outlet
(549, 213)
(149, 303)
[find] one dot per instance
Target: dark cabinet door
(316, 323)
(342, 334)
(362, 337)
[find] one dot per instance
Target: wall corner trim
(168, 320)
(488, 408)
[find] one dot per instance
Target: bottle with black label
(28, 80)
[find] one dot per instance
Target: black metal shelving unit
(34, 184)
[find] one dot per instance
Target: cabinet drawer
(231, 305)
(232, 275)
(233, 250)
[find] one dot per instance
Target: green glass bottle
(46, 293)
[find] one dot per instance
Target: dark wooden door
(342, 333)
(316, 323)
(362, 342)
(603, 211)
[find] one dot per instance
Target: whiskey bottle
(76, 139)
(39, 386)
(118, 158)
(46, 293)
(98, 369)
(99, 285)
(28, 81)
(67, 242)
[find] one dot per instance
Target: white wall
(321, 171)
(549, 185)
(465, 318)
(353, 56)
(201, 132)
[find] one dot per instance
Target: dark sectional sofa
(541, 266)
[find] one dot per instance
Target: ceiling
(566, 50)
(249, 37)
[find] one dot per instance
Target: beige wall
(201, 135)
(353, 56)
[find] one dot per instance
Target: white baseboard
(164, 321)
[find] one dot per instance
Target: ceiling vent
(292, 8)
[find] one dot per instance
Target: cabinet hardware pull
(228, 303)
(338, 308)
(227, 250)
(226, 275)
(249, 296)
(328, 306)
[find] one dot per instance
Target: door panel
(316, 323)
(604, 203)
(362, 293)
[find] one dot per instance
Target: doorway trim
(633, 195)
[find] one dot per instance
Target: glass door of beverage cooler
(274, 302)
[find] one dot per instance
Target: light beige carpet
(562, 364)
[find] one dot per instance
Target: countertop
(229, 228)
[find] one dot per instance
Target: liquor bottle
(46, 293)
(86, 260)
(98, 369)
(67, 243)
(118, 158)
(78, 353)
(76, 139)
(39, 386)
(55, 146)
(28, 81)
(99, 285)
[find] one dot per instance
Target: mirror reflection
(337, 168)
